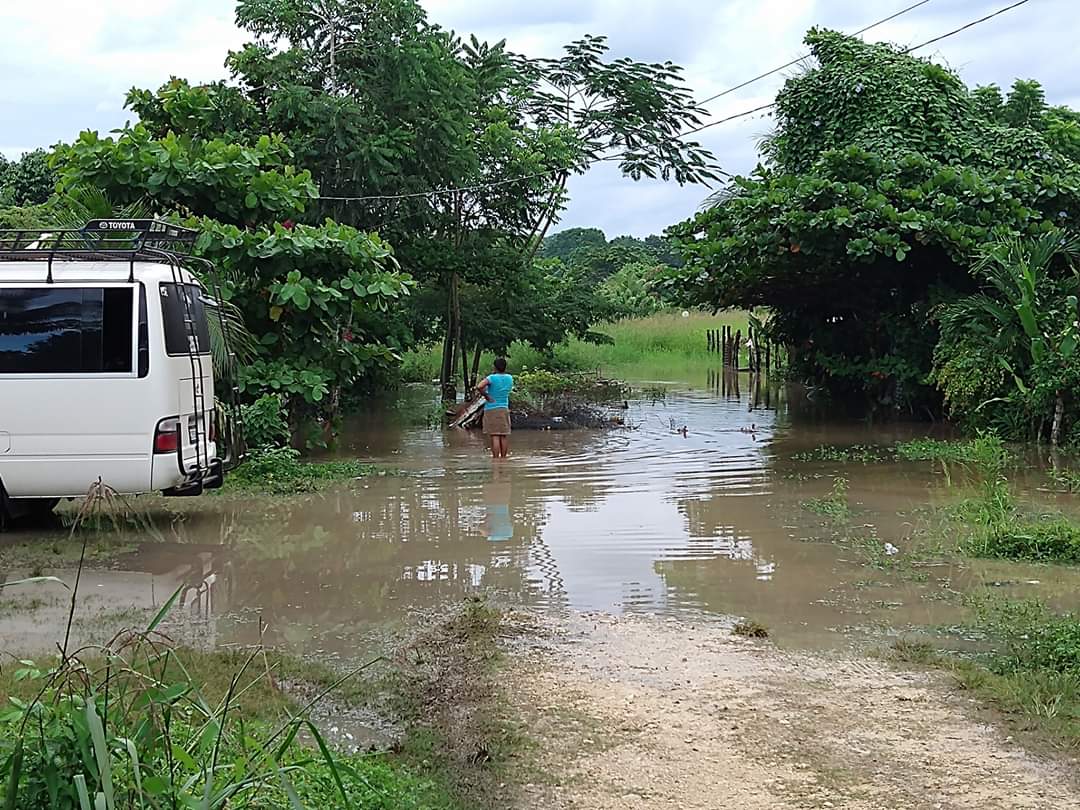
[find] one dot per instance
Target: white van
(105, 366)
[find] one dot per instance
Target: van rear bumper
(210, 478)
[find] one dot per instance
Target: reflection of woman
(497, 524)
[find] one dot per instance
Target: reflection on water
(651, 518)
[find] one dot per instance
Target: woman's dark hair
(500, 365)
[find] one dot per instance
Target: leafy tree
(380, 104)
(883, 181)
(242, 184)
(564, 244)
(312, 295)
(629, 291)
(27, 181)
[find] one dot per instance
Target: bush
(279, 471)
(265, 424)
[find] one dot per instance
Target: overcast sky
(66, 64)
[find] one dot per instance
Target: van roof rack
(100, 240)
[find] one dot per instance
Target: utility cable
(761, 108)
(954, 32)
(798, 59)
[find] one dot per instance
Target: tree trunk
(476, 366)
(1059, 413)
(446, 375)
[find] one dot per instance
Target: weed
(1065, 480)
(748, 628)
(984, 451)
(1048, 540)
(833, 506)
(865, 454)
(279, 471)
(905, 651)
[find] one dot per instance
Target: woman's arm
(483, 389)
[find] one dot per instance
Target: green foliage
(1025, 328)
(629, 293)
(856, 452)
(564, 245)
(233, 182)
(987, 453)
(279, 471)
(884, 181)
(265, 423)
(312, 296)
(1034, 638)
(137, 726)
(833, 506)
(29, 181)
(375, 100)
(1055, 540)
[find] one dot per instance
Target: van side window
(179, 339)
(66, 330)
(144, 334)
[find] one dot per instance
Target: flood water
(646, 518)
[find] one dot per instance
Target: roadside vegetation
(1028, 663)
(1029, 670)
(139, 722)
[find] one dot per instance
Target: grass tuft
(748, 628)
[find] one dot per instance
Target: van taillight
(213, 426)
(167, 436)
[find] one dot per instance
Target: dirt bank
(650, 713)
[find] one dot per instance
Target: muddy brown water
(642, 519)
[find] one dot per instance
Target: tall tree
(456, 151)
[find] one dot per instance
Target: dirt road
(650, 713)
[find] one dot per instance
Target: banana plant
(1018, 272)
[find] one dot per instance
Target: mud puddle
(650, 519)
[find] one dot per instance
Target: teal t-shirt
(499, 387)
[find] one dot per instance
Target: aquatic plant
(833, 506)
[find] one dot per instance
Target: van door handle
(5, 442)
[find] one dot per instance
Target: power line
(761, 108)
(955, 31)
(798, 59)
(966, 27)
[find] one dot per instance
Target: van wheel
(28, 508)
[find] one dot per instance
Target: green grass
(1031, 673)
(457, 752)
(664, 345)
(1047, 540)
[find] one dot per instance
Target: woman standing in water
(496, 388)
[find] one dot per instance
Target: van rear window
(179, 340)
(66, 330)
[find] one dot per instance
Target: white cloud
(66, 64)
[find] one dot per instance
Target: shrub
(279, 471)
(265, 424)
